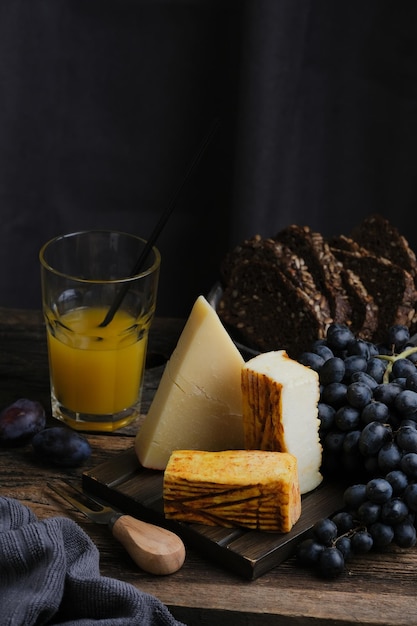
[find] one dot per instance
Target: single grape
(331, 562)
(359, 395)
(406, 402)
(398, 481)
(389, 457)
(351, 442)
(394, 511)
(334, 394)
(382, 534)
(325, 531)
(311, 359)
(378, 490)
(375, 411)
(373, 349)
(326, 415)
(333, 441)
(363, 377)
(361, 542)
(373, 437)
(338, 336)
(308, 551)
(347, 418)
(332, 371)
(369, 512)
(351, 460)
(344, 521)
(401, 368)
(406, 438)
(354, 363)
(376, 369)
(408, 464)
(405, 534)
(359, 347)
(354, 495)
(324, 351)
(410, 496)
(397, 337)
(343, 544)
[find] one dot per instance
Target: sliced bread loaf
(383, 239)
(391, 287)
(325, 268)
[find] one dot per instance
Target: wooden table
(377, 589)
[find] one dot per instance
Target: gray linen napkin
(49, 574)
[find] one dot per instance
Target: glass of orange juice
(98, 311)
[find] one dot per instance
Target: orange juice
(96, 371)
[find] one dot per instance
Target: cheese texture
(198, 404)
(280, 412)
(250, 488)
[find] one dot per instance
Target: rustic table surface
(377, 589)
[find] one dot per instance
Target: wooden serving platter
(126, 485)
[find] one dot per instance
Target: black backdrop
(102, 103)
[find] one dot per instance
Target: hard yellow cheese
(280, 411)
(198, 404)
(250, 488)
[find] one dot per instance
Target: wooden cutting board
(126, 485)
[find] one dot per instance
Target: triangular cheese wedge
(198, 404)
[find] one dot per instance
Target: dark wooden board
(126, 485)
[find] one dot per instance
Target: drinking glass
(97, 358)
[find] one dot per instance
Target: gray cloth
(49, 574)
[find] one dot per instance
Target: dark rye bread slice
(364, 316)
(391, 287)
(325, 268)
(264, 310)
(278, 255)
(383, 239)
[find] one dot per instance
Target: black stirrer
(161, 223)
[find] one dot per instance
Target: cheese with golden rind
(250, 488)
(198, 403)
(280, 411)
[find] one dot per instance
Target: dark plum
(20, 421)
(61, 446)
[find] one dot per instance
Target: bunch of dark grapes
(368, 430)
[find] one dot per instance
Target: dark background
(104, 102)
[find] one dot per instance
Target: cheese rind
(250, 488)
(198, 403)
(280, 411)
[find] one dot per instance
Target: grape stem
(392, 358)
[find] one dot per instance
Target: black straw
(161, 223)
